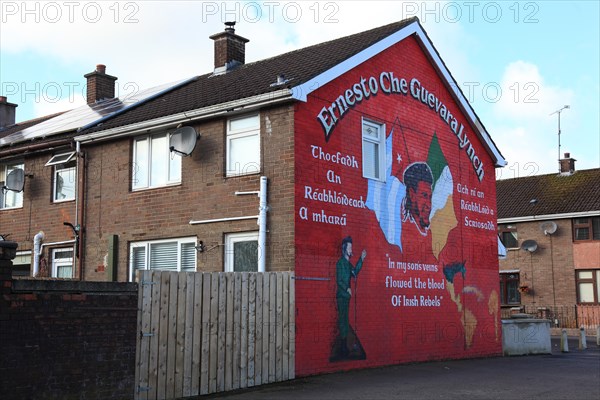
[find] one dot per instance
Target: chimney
(567, 164)
(99, 85)
(7, 112)
(230, 49)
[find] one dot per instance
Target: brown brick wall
(39, 212)
(67, 339)
(111, 208)
(204, 193)
(554, 252)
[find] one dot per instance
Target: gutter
(549, 216)
(34, 147)
(249, 103)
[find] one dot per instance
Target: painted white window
(242, 252)
(243, 145)
(64, 182)
(373, 150)
(62, 263)
(9, 198)
(177, 254)
(62, 158)
(22, 263)
(154, 165)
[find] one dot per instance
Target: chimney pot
(567, 164)
(230, 49)
(100, 86)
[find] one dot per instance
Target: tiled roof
(254, 78)
(555, 194)
(26, 124)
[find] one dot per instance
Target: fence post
(564, 342)
(582, 339)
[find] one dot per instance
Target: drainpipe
(79, 209)
(37, 250)
(262, 224)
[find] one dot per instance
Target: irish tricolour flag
(442, 216)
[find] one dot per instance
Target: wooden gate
(202, 333)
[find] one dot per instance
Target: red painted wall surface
(424, 291)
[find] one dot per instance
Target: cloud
(523, 128)
(525, 95)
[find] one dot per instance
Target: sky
(517, 62)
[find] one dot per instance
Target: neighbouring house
(357, 163)
(550, 225)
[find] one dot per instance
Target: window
(62, 158)
(586, 228)
(64, 182)
(154, 165)
(169, 254)
(588, 286)
(373, 150)
(9, 198)
(509, 288)
(62, 263)
(22, 264)
(242, 252)
(508, 236)
(243, 145)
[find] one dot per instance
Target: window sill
(228, 176)
(10, 208)
(62, 201)
(155, 187)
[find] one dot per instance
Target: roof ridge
(588, 170)
(400, 25)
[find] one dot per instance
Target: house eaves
(170, 121)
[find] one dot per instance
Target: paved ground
(573, 375)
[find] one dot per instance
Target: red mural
(396, 247)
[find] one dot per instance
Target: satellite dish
(15, 180)
(548, 227)
(183, 140)
(529, 245)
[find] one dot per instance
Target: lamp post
(558, 112)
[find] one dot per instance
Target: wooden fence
(202, 333)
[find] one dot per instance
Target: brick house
(550, 225)
(362, 141)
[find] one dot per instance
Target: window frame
(58, 167)
(148, 173)
(5, 167)
(235, 237)
(592, 235)
(594, 280)
(147, 245)
(505, 279)
(381, 153)
(508, 228)
(60, 158)
(55, 265)
(232, 135)
(20, 261)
